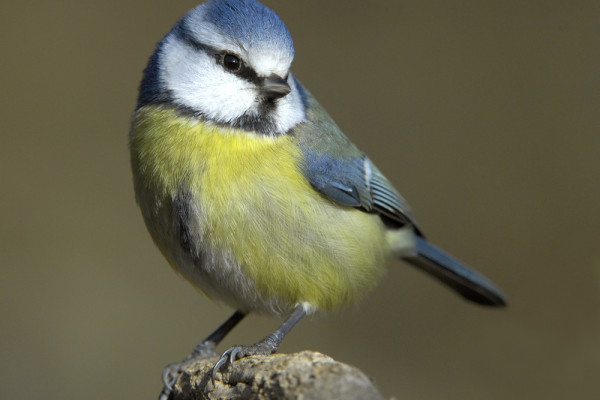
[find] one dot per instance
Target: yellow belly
(255, 204)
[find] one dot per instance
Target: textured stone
(304, 375)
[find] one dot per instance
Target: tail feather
(468, 283)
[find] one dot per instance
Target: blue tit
(252, 192)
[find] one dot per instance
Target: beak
(275, 87)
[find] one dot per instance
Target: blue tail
(468, 283)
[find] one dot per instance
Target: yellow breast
(292, 242)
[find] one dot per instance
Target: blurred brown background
(484, 114)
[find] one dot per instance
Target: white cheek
(198, 82)
(221, 96)
(290, 110)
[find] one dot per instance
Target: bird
(253, 193)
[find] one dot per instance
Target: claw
(218, 365)
(233, 355)
(227, 358)
(168, 383)
(167, 379)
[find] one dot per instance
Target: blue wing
(356, 182)
(340, 171)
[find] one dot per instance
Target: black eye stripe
(245, 72)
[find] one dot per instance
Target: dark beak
(274, 87)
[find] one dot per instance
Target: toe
(169, 377)
(219, 364)
(235, 354)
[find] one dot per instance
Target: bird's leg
(206, 349)
(267, 345)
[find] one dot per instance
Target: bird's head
(227, 62)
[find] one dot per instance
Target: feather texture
(257, 235)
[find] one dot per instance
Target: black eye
(231, 62)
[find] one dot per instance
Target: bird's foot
(266, 346)
(173, 371)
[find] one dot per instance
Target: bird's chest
(240, 204)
